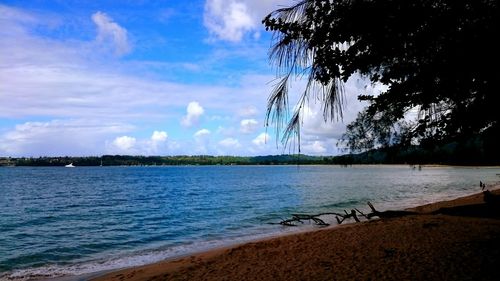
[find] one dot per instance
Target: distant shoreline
(207, 160)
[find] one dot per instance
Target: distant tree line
(128, 160)
(475, 151)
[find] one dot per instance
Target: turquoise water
(59, 221)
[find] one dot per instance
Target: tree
(436, 57)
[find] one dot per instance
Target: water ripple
(58, 221)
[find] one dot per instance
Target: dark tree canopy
(436, 57)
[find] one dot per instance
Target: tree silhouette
(436, 57)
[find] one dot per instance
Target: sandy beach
(415, 247)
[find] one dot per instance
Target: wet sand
(416, 247)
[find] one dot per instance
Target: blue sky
(83, 78)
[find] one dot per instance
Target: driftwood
(388, 214)
(489, 209)
(352, 214)
(300, 218)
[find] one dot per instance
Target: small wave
(55, 271)
(133, 259)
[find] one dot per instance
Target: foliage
(436, 57)
(128, 160)
(477, 150)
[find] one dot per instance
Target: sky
(88, 78)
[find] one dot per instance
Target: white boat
(70, 165)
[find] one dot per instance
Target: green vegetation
(436, 58)
(126, 160)
(472, 152)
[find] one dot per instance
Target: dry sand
(416, 247)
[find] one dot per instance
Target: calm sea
(72, 221)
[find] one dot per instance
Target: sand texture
(415, 247)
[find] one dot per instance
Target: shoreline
(288, 256)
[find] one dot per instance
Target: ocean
(57, 221)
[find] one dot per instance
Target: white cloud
(261, 139)
(124, 143)
(314, 124)
(315, 147)
(159, 136)
(230, 143)
(76, 137)
(226, 132)
(156, 144)
(61, 79)
(316, 131)
(229, 146)
(202, 133)
(248, 111)
(230, 20)
(194, 110)
(109, 32)
(248, 126)
(10, 18)
(202, 141)
(65, 79)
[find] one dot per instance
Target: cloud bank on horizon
(142, 79)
